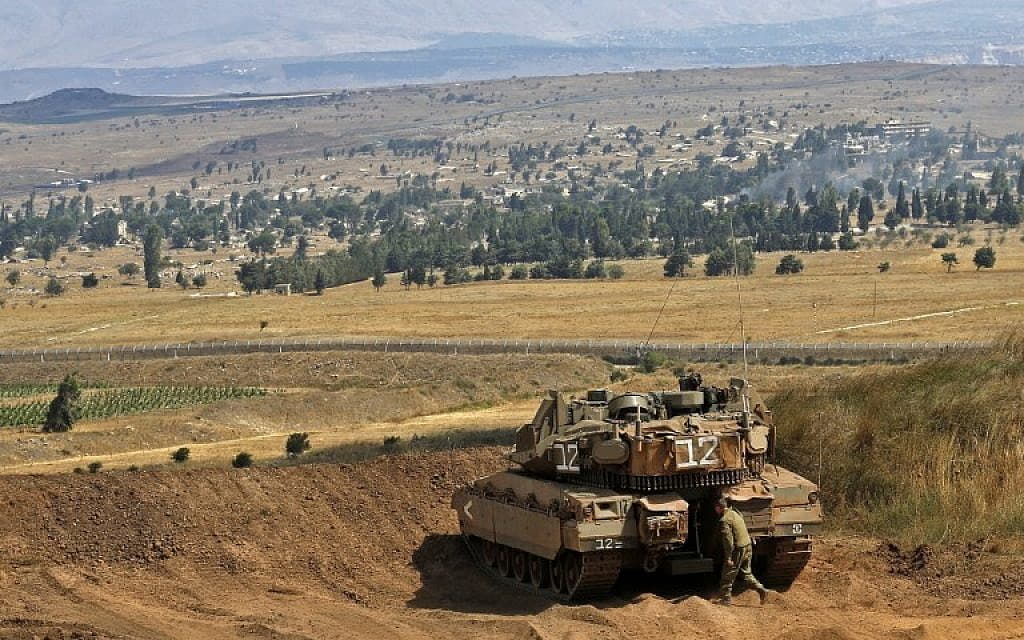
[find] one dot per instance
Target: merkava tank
(611, 482)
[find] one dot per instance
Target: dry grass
(837, 290)
(929, 453)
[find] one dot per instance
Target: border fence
(772, 352)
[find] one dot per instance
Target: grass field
(841, 296)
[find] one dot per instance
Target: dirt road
(368, 552)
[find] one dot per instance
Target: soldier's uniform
(736, 545)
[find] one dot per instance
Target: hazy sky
(176, 32)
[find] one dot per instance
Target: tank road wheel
(504, 561)
(558, 575)
(540, 571)
(489, 553)
(572, 570)
(519, 569)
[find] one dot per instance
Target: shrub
(618, 375)
(297, 444)
(595, 269)
(616, 272)
(519, 272)
(392, 443)
(242, 461)
(181, 455)
(54, 287)
(94, 467)
(985, 258)
(651, 361)
(846, 242)
(884, 267)
(940, 242)
(90, 281)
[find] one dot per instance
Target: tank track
(572, 577)
(623, 482)
(778, 561)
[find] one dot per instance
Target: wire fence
(756, 351)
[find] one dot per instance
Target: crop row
(21, 390)
(127, 401)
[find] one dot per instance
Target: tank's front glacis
(690, 439)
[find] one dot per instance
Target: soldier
(736, 553)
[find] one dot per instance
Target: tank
(610, 482)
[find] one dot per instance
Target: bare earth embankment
(369, 551)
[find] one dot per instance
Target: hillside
(928, 453)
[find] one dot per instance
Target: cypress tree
(63, 411)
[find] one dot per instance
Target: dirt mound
(354, 528)
(972, 570)
(370, 552)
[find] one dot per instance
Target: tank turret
(698, 436)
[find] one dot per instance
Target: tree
(789, 264)
(301, 247)
(54, 287)
(252, 276)
(916, 206)
(296, 444)
(319, 283)
(264, 243)
(129, 270)
(180, 279)
(719, 262)
(13, 277)
(595, 269)
(941, 242)
(519, 272)
(46, 247)
(242, 461)
(199, 280)
(846, 242)
(151, 255)
(182, 454)
(865, 213)
(985, 258)
(616, 272)
(902, 208)
(675, 266)
(379, 279)
(949, 259)
(892, 220)
(722, 261)
(90, 281)
(63, 411)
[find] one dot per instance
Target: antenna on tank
(744, 392)
(739, 290)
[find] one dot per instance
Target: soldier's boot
(725, 601)
(763, 594)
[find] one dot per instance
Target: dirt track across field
(369, 551)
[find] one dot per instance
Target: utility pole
(874, 301)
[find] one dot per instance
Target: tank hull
(571, 541)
